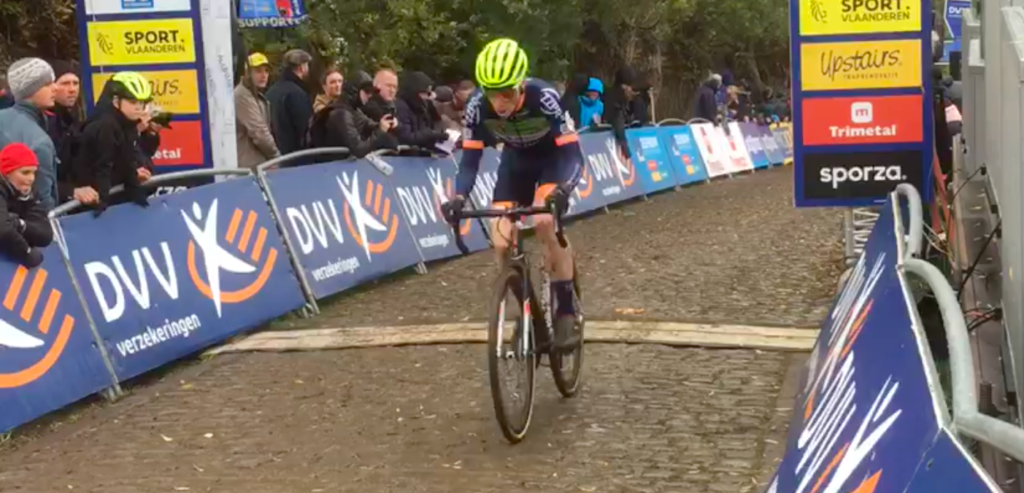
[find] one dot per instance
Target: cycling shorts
(526, 176)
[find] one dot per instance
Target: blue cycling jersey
(540, 128)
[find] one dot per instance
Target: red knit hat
(17, 156)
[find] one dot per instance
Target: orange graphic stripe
(473, 145)
(257, 250)
(387, 209)
(869, 484)
(566, 139)
(231, 296)
(859, 324)
(32, 373)
(369, 193)
(363, 242)
(236, 220)
(828, 470)
(49, 311)
(15, 289)
(376, 200)
(250, 222)
(33, 295)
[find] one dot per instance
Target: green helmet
(501, 64)
(132, 85)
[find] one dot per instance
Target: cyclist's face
(505, 101)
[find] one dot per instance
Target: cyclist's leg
(514, 187)
(560, 265)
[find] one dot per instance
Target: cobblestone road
(419, 419)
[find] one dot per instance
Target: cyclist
(541, 163)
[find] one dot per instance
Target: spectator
(382, 102)
(571, 97)
(6, 100)
(706, 106)
(451, 112)
(419, 123)
(63, 121)
(341, 125)
(640, 107)
(31, 85)
(591, 106)
(617, 107)
(353, 89)
(290, 106)
(254, 140)
(330, 85)
(107, 153)
(24, 228)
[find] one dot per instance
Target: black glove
(33, 258)
(99, 209)
(19, 223)
(452, 207)
(559, 200)
(140, 197)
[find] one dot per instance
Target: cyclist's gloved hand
(559, 199)
(452, 207)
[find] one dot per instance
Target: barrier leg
(113, 392)
(311, 305)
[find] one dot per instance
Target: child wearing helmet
(107, 153)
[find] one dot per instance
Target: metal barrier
(966, 418)
(320, 151)
(916, 232)
(157, 180)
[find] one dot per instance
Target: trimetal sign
(862, 120)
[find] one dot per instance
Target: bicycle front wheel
(510, 353)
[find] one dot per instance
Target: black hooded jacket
(618, 109)
(107, 154)
(290, 112)
(23, 225)
(419, 123)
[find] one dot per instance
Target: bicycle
(520, 349)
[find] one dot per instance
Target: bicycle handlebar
(513, 212)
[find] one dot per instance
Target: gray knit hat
(27, 76)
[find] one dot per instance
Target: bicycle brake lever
(559, 231)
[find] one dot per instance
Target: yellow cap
(258, 60)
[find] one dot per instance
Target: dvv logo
(28, 299)
(368, 216)
(226, 266)
(609, 166)
(422, 206)
(217, 258)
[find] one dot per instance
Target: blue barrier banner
(752, 139)
(865, 416)
(421, 185)
(486, 178)
(771, 146)
(607, 177)
(950, 467)
(49, 353)
(344, 222)
(192, 269)
(785, 140)
(682, 152)
(650, 159)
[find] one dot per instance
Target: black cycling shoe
(543, 341)
(566, 337)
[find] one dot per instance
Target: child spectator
(24, 228)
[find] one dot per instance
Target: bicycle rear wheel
(507, 350)
(567, 368)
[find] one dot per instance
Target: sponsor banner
(650, 159)
(271, 13)
(682, 151)
(860, 65)
(864, 416)
(862, 120)
(486, 177)
(736, 149)
(858, 176)
(141, 42)
(713, 149)
(104, 7)
(755, 147)
(775, 154)
(190, 270)
(830, 17)
(784, 136)
(953, 16)
(948, 466)
(180, 145)
(607, 177)
(344, 221)
(421, 185)
(175, 91)
(50, 357)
